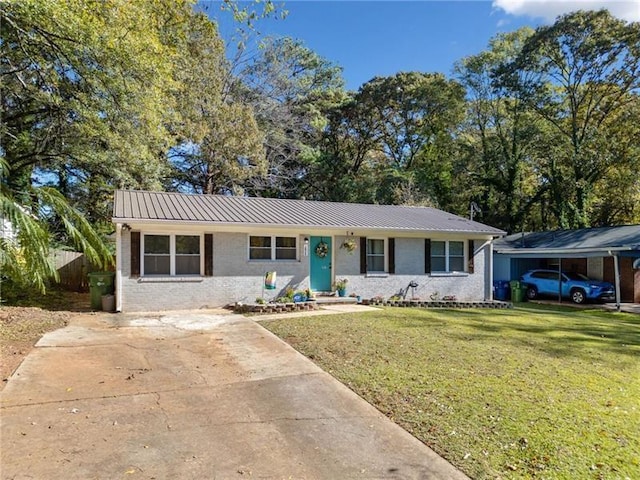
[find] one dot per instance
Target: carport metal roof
(585, 242)
(623, 241)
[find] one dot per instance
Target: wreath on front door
(322, 249)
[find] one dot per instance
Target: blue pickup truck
(575, 286)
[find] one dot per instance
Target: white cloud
(549, 9)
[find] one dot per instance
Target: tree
(86, 98)
(24, 248)
(617, 193)
(289, 88)
(500, 138)
(344, 167)
(86, 94)
(220, 145)
(578, 74)
(414, 116)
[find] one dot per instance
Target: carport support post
(616, 276)
(560, 280)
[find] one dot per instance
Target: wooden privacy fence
(72, 268)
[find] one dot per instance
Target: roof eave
(492, 233)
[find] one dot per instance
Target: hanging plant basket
(349, 245)
(322, 249)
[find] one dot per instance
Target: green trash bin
(100, 283)
(517, 291)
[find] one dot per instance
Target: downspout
(616, 275)
(118, 267)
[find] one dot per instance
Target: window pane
(260, 248)
(286, 248)
(187, 244)
(286, 242)
(260, 242)
(260, 254)
(157, 264)
(456, 264)
(438, 264)
(375, 246)
(187, 264)
(285, 253)
(375, 263)
(156, 244)
(456, 249)
(437, 248)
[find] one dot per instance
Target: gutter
(322, 228)
(604, 251)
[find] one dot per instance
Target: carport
(515, 254)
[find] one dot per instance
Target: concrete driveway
(192, 396)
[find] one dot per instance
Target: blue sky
(379, 38)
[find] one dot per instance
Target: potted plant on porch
(341, 286)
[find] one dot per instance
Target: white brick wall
(235, 279)
(410, 267)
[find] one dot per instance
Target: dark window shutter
(208, 255)
(135, 254)
(392, 255)
(427, 255)
(363, 254)
(471, 255)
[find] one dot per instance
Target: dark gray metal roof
(131, 206)
(585, 240)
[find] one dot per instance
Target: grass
(533, 392)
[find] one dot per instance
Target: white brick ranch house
(179, 251)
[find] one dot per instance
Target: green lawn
(535, 391)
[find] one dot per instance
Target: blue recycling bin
(501, 290)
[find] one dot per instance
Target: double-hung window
(259, 248)
(171, 255)
(272, 248)
(187, 255)
(375, 255)
(447, 256)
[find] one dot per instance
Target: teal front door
(320, 263)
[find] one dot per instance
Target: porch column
(489, 270)
(118, 267)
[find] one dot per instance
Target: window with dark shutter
(363, 254)
(471, 257)
(135, 254)
(208, 254)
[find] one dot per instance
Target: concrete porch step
(334, 300)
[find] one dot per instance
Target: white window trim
(373, 273)
(447, 270)
(273, 248)
(172, 254)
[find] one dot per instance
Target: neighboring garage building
(606, 253)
